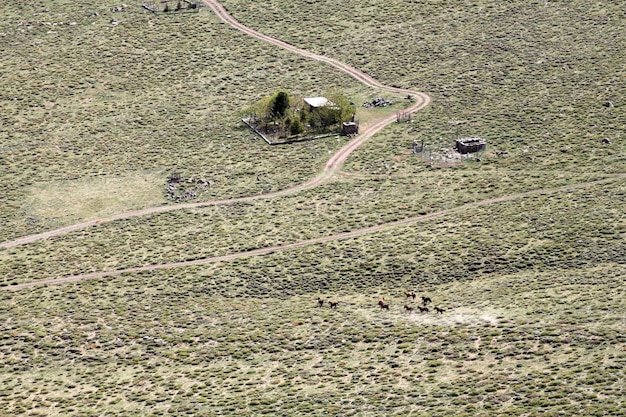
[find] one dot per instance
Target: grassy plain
(531, 78)
(334, 208)
(533, 287)
(146, 96)
(194, 342)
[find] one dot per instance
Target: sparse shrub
(296, 127)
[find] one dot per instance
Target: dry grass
(533, 288)
(506, 345)
(87, 198)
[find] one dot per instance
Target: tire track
(319, 240)
(334, 164)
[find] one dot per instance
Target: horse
(423, 309)
(439, 310)
(333, 304)
(408, 308)
(383, 306)
(426, 300)
(410, 294)
(381, 301)
(320, 302)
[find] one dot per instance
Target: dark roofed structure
(471, 145)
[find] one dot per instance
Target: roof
(472, 141)
(318, 102)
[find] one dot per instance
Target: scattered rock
(177, 191)
(119, 8)
(378, 102)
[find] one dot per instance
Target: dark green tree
(280, 104)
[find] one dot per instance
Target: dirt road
(324, 239)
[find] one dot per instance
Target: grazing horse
(333, 304)
(320, 302)
(410, 294)
(423, 309)
(426, 300)
(381, 301)
(439, 310)
(383, 306)
(408, 308)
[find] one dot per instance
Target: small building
(471, 145)
(350, 128)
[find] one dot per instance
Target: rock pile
(181, 190)
(378, 102)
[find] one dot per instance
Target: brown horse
(383, 306)
(320, 302)
(439, 310)
(408, 308)
(333, 304)
(426, 300)
(423, 309)
(410, 294)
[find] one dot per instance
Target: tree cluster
(288, 115)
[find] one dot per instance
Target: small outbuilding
(350, 128)
(471, 145)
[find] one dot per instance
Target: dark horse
(408, 308)
(426, 300)
(410, 294)
(439, 310)
(423, 309)
(333, 304)
(383, 305)
(320, 302)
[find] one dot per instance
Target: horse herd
(385, 306)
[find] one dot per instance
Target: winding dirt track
(332, 167)
(334, 164)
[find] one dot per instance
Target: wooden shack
(350, 128)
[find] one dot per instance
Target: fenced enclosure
(273, 138)
(403, 116)
(442, 152)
